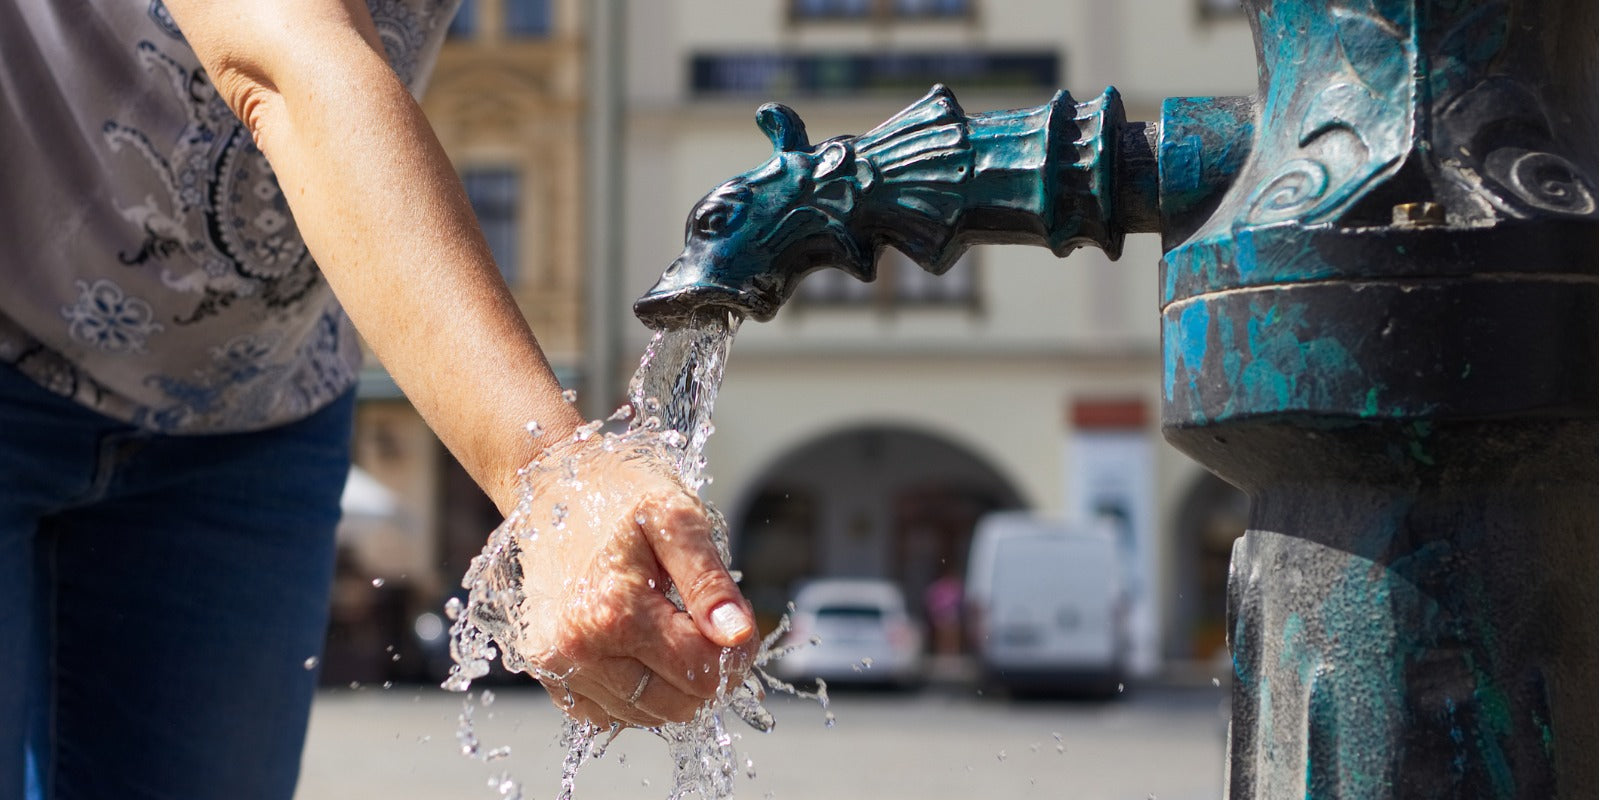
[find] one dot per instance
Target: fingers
(646, 699)
(654, 639)
(689, 662)
(680, 534)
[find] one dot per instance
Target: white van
(1048, 604)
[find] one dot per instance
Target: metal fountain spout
(930, 182)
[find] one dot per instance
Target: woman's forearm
(384, 214)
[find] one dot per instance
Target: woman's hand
(604, 537)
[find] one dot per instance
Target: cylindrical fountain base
(1414, 627)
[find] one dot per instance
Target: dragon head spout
(749, 241)
(929, 181)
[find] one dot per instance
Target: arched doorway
(1212, 515)
(872, 501)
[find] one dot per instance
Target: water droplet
(1215, 682)
(311, 663)
(534, 429)
(486, 699)
(1120, 688)
(395, 657)
(828, 720)
(584, 433)
(377, 583)
(452, 608)
(1000, 756)
(570, 395)
(558, 516)
(622, 414)
(651, 582)
(388, 684)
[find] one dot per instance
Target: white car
(852, 630)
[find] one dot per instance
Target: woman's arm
(385, 216)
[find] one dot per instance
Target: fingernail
(730, 621)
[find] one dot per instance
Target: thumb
(680, 534)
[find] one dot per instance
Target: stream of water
(667, 419)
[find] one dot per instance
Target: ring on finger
(638, 691)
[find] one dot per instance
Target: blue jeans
(162, 600)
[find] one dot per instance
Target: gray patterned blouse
(149, 267)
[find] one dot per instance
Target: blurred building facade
(864, 429)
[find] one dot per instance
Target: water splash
(668, 421)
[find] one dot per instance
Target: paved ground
(1154, 742)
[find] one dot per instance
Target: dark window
(932, 8)
(878, 10)
(528, 17)
(465, 23)
(855, 72)
(900, 284)
(494, 196)
(822, 9)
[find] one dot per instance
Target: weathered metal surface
(1378, 318)
(930, 182)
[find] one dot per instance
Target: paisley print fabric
(149, 265)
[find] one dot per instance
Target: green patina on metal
(1294, 655)
(1495, 725)
(1417, 441)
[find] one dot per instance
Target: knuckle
(705, 583)
(670, 508)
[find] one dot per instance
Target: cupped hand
(612, 532)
